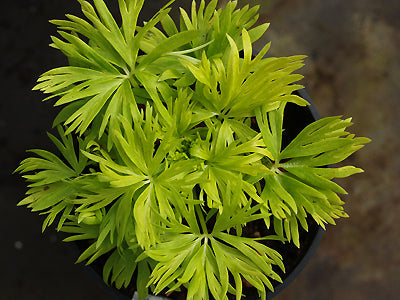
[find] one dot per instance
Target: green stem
(201, 218)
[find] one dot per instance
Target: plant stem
(201, 219)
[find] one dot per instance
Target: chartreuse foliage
(171, 142)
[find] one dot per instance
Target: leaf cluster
(171, 142)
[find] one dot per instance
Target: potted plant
(173, 151)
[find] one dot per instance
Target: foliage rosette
(171, 142)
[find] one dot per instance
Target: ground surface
(353, 69)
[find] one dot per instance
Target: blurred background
(352, 69)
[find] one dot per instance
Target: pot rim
(286, 282)
(318, 236)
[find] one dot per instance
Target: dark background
(353, 69)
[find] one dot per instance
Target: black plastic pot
(295, 259)
(295, 119)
